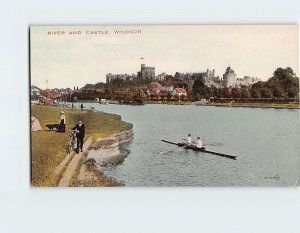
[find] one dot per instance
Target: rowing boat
(202, 149)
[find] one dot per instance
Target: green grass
(49, 147)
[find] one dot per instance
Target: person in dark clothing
(79, 135)
(62, 124)
(81, 106)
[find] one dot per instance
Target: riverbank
(48, 148)
(290, 105)
(278, 105)
(257, 105)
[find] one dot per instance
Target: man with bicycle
(80, 128)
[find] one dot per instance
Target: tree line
(282, 85)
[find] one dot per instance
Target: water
(266, 142)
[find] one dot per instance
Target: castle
(230, 79)
(146, 73)
(125, 77)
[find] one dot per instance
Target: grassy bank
(49, 147)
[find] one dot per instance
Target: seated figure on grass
(35, 124)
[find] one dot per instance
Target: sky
(78, 55)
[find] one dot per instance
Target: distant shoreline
(276, 105)
(235, 104)
(258, 105)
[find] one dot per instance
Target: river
(265, 141)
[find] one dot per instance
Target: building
(50, 94)
(125, 77)
(160, 77)
(180, 81)
(247, 81)
(229, 78)
(154, 88)
(35, 92)
(179, 92)
(208, 76)
(146, 73)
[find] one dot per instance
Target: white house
(179, 92)
(35, 92)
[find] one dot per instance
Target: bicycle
(72, 144)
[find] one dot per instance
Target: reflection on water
(265, 141)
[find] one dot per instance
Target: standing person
(72, 105)
(199, 142)
(81, 106)
(79, 135)
(62, 124)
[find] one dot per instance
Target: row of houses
(56, 93)
(153, 89)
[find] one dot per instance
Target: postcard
(164, 105)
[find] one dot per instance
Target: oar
(220, 154)
(173, 143)
(170, 142)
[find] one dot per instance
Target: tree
(152, 96)
(99, 85)
(266, 93)
(258, 85)
(293, 92)
(255, 93)
(235, 93)
(278, 92)
(226, 93)
(284, 81)
(219, 93)
(169, 95)
(205, 92)
(108, 93)
(141, 95)
(283, 74)
(198, 86)
(245, 93)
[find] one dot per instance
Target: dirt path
(72, 166)
(63, 163)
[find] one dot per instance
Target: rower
(189, 139)
(199, 142)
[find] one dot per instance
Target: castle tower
(229, 78)
(147, 73)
